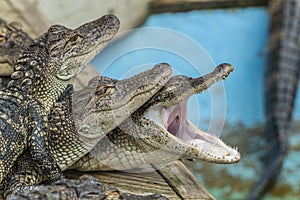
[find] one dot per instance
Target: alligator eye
(101, 90)
(74, 39)
(104, 90)
(55, 49)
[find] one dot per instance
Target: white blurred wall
(72, 13)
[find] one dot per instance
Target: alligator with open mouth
(157, 133)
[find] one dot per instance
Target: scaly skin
(40, 76)
(87, 187)
(281, 83)
(13, 41)
(159, 132)
(120, 141)
(149, 143)
(100, 107)
(99, 103)
(137, 90)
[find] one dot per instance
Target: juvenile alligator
(159, 132)
(146, 142)
(281, 83)
(13, 42)
(103, 104)
(150, 143)
(165, 100)
(146, 83)
(40, 75)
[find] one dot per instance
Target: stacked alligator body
(40, 76)
(111, 124)
(281, 83)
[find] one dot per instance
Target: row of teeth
(236, 157)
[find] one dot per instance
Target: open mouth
(199, 144)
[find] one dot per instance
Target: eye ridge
(75, 38)
(104, 90)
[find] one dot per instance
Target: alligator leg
(23, 176)
(38, 141)
(281, 83)
(26, 173)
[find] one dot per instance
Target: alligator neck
(35, 78)
(49, 93)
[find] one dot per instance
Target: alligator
(41, 74)
(281, 82)
(142, 140)
(173, 97)
(104, 104)
(13, 42)
(149, 81)
(86, 187)
(159, 132)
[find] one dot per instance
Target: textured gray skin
(143, 140)
(99, 103)
(180, 87)
(13, 41)
(99, 108)
(281, 83)
(40, 75)
(183, 89)
(149, 136)
(87, 187)
(146, 83)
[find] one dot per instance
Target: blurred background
(194, 37)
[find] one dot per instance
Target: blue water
(193, 43)
(238, 37)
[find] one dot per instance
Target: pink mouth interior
(175, 119)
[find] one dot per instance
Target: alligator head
(169, 109)
(84, 117)
(72, 50)
(44, 68)
(159, 131)
(106, 102)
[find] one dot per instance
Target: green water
(234, 181)
(238, 37)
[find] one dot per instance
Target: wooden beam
(159, 6)
(174, 181)
(183, 182)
